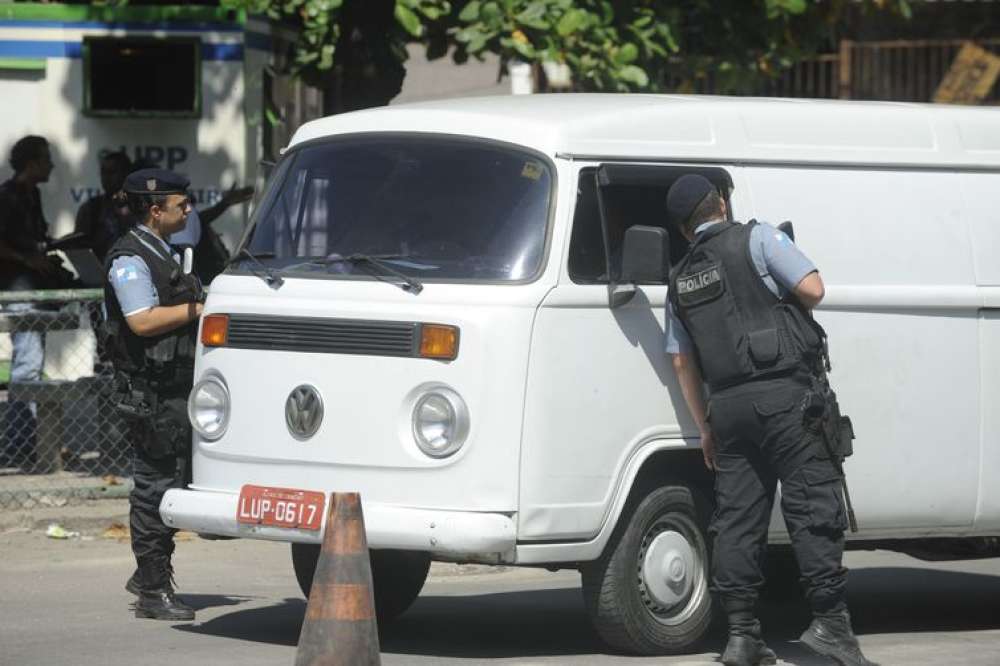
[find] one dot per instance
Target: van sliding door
(600, 386)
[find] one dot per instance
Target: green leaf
(788, 6)
(476, 45)
(433, 13)
(408, 19)
(524, 49)
(532, 12)
(571, 21)
(627, 53)
(470, 12)
(635, 75)
(468, 34)
(490, 12)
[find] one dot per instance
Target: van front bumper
(448, 534)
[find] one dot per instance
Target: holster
(169, 431)
(822, 418)
(161, 427)
(132, 400)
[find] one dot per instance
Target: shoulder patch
(126, 273)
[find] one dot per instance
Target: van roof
(700, 128)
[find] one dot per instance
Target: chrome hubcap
(667, 569)
(671, 575)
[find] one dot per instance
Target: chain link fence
(61, 440)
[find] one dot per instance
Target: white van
(423, 314)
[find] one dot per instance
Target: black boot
(134, 584)
(745, 646)
(742, 650)
(156, 595)
(831, 636)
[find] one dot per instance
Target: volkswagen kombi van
(431, 308)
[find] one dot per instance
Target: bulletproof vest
(741, 330)
(164, 361)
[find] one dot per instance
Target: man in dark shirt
(24, 266)
(100, 218)
(23, 229)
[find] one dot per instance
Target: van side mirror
(644, 255)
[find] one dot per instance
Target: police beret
(684, 196)
(155, 181)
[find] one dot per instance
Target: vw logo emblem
(303, 411)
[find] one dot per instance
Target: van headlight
(208, 407)
(440, 422)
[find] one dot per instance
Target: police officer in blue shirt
(153, 308)
(739, 322)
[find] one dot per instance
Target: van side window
(625, 205)
(587, 260)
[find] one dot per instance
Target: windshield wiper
(266, 274)
(403, 281)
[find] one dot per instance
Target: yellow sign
(970, 78)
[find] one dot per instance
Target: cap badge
(151, 184)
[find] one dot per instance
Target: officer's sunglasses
(181, 205)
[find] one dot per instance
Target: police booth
(164, 84)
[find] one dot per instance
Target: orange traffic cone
(340, 627)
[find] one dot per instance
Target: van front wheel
(397, 576)
(648, 592)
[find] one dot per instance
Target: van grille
(323, 336)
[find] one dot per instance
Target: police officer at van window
(739, 322)
(152, 321)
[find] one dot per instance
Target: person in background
(102, 219)
(24, 266)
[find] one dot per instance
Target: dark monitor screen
(142, 76)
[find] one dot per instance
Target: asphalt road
(62, 602)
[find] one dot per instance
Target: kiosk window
(142, 76)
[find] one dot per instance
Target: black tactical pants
(761, 439)
(152, 475)
(151, 538)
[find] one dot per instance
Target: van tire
(397, 576)
(668, 527)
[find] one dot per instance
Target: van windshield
(429, 207)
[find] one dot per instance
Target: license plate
(280, 507)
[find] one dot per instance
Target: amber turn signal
(214, 330)
(439, 341)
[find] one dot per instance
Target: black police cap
(155, 181)
(685, 195)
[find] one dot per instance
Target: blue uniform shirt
(779, 262)
(130, 277)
